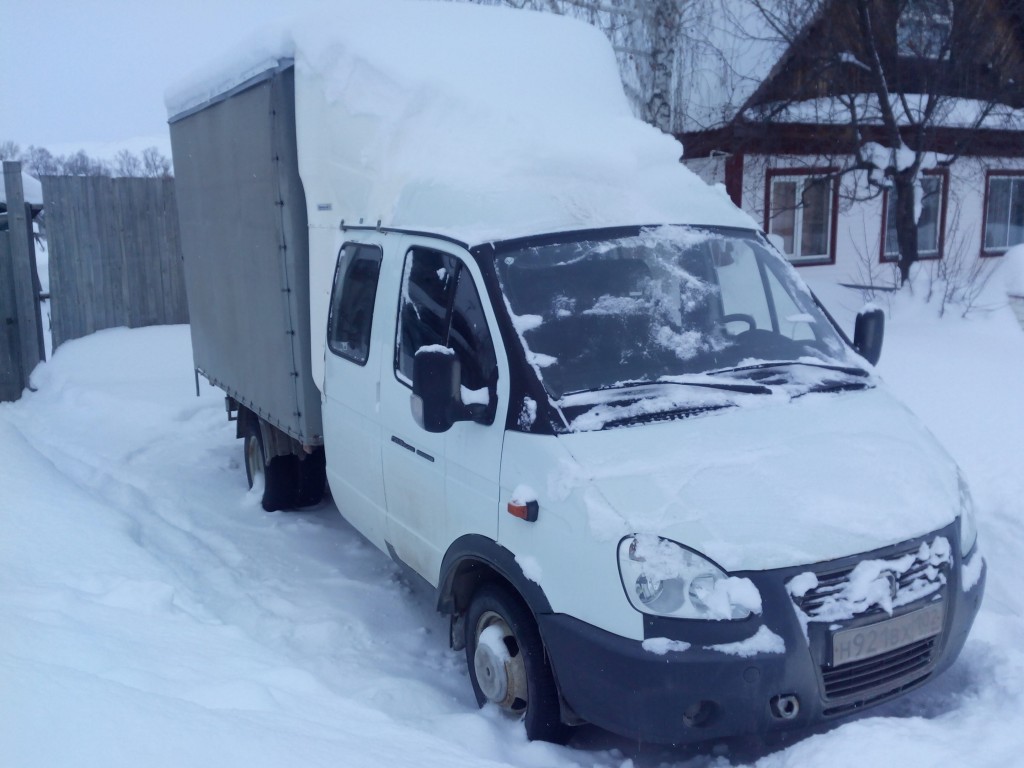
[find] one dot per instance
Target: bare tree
(39, 162)
(10, 151)
(897, 76)
(127, 163)
(155, 164)
(81, 164)
(654, 40)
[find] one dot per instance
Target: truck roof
(479, 123)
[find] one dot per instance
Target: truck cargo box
(242, 212)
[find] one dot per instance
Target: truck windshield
(668, 305)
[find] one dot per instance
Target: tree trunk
(663, 23)
(906, 220)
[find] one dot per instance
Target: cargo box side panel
(295, 229)
(244, 241)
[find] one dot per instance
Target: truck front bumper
(710, 691)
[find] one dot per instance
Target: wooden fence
(21, 330)
(115, 254)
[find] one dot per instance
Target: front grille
(831, 584)
(917, 572)
(887, 673)
(877, 587)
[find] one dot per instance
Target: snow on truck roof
(478, 122)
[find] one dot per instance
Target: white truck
(559, 378)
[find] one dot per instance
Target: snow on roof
(908, 108)
(495, 123)
(32, 188)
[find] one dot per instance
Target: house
(788, 116)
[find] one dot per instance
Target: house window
(930, 225)
(923, 29)
(1004, 211)
(802, 212)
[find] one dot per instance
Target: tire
(507, 664)
(279, 478)
(312, 479)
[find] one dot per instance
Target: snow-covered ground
(152, 614)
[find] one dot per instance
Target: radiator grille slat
(890, 669)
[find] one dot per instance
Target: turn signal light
(527, 511)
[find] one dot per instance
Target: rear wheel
(312, 479)
(507, 664)
(278, 480)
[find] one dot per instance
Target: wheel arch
(472, 560)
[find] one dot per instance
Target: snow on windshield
(664, 305)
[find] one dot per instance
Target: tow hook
(785, 706)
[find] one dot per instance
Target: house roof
(754, 39)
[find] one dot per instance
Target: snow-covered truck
(429, 250)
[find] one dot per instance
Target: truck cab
(598, 447)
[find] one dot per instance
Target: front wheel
(507, 664)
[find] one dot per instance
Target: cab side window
(469, 337)
(355, 290)
(441, 305)
(428, 286)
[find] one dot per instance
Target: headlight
(663, 578)
(968, 526)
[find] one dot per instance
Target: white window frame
(802, 179)
(1016, 180)
(891, 257)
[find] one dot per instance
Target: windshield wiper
(836, 386)
(849, 370)
(727, 386)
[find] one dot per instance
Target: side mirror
(435, 388)
(868, 333)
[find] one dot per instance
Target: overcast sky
(89, 73)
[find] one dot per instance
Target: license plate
(857, 643)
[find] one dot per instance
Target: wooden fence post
(22, 292)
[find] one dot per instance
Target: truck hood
(809, 480)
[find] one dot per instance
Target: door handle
(422, 454)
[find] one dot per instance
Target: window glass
(794, 323)
(816, 210)
(927, 224)
(923, 29)
(428, 285)
(441, 305)
(1004, 221)
(351, 313)
(784, 214)
(469, 336)
(664, 305)
(801, 214)
(742, 289)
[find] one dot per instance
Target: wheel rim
(499, 665)
(254, 463)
